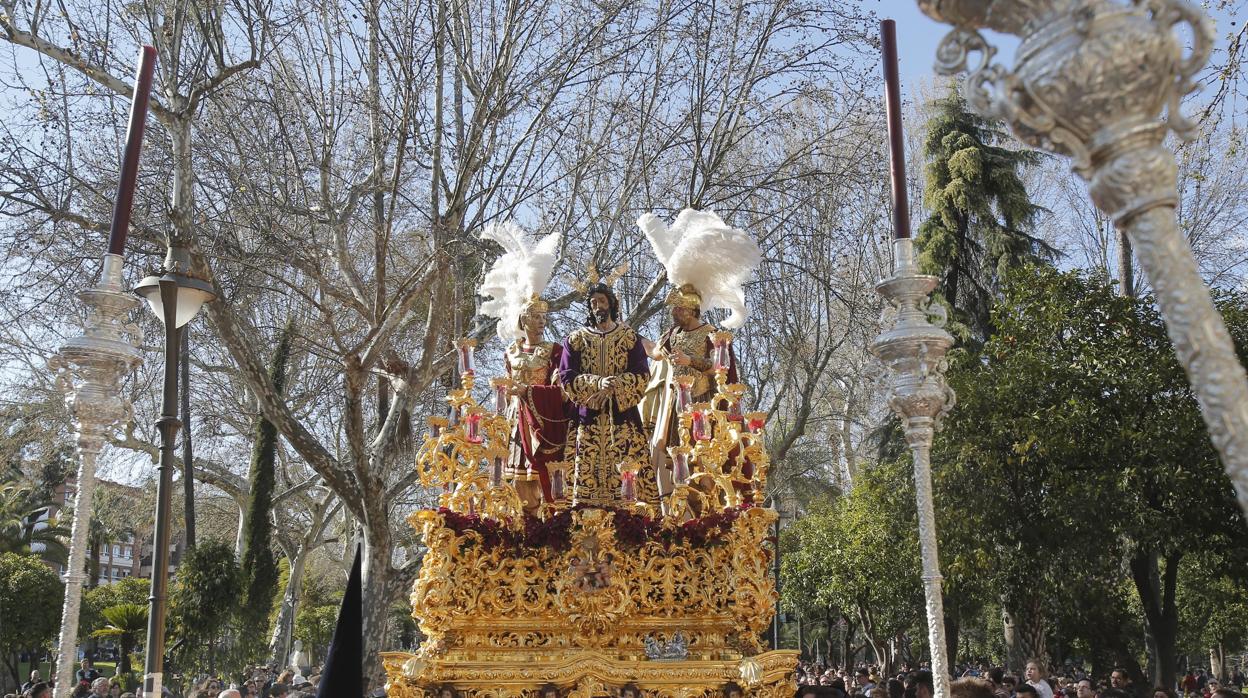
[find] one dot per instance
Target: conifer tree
(258, 564)
(981, 220)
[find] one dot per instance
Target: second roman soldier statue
(536, 406)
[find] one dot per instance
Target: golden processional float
(591, 599)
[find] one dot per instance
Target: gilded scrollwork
(502, 620)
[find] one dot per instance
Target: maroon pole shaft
(134, 145)
(896, 146)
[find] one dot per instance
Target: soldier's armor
(533, 367)
(696, 345)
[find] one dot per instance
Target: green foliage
(204, 601)
(858, 553)
(127, 624)
(260, 573)
(317, 614)
(1078, 438)
(130, 590)
(20, 508)
(981, 218)
(30, 606)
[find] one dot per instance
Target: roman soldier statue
(707, 262)
(536, 408)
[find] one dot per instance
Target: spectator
(995, 676)
(99, 688)
(971, 688)
(863, 678)
(920, 684)
(40, 690)
(34, 679)
(1009, 682)
(1026, 690)
(230, 693)
(1210, 686)
(87, 672)
(1163, 692)
(1121, 680)
(1227, 693)
(1084, 689)
(1036, 679)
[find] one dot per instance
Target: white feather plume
(522, 271)
(700, 249)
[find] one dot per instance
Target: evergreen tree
(981, 218)
(258, 564)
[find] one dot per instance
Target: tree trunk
(1156, 589)
(1217, 664)
(380, 592)
(1024, 633)
(952, 628)
(283, 629)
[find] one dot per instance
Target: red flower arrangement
(632, 530)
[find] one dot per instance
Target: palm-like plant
(21, 527)
(127, 623)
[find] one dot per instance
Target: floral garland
(632, 530)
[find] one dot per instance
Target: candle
(496, 472)
(896, 146)
(680, 463)
(500, 386)
(134, 146)
(558, 483)
(721, 342)
(466, 348)
(628, 481)
(472, 427)
(754, 421)
(436, 425)
(699, 429)
(684, 393)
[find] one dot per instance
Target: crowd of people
(980, 681)
(261, 682)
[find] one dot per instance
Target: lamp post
(175, 297)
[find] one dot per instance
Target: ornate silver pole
(89, 370)
(913, 350)
(1091, 81)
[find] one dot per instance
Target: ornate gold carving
(497, 616)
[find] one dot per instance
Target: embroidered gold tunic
(610, 433)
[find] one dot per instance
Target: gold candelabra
(465, 454)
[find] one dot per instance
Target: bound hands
(680, 358)
(602, 398)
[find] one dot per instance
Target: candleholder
(628, 482)
(500, 388)
(89, 369)
(913, 350)
(721, 346)
(465, 349)
(558, 472)
(684, 392)
(699, 429)
(755, 422)
(680, 463)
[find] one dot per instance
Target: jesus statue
(604, 373)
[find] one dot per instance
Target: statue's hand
(680, 358)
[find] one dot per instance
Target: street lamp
(175, 297)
